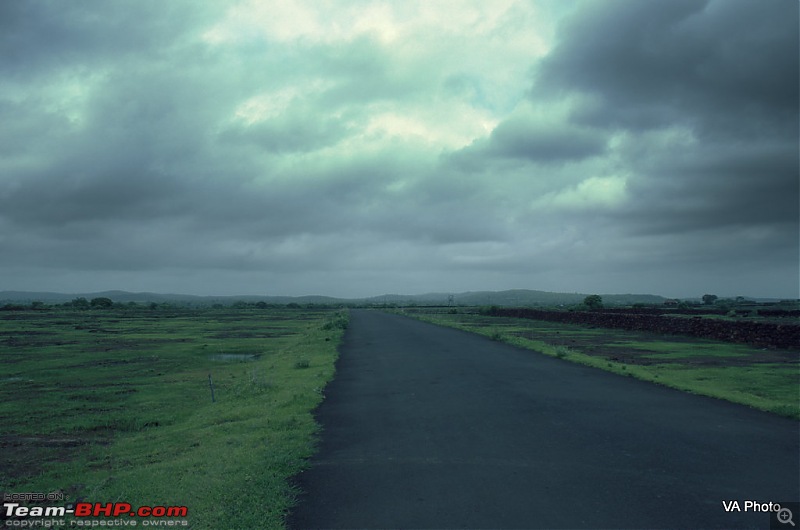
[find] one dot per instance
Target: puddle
(234, 357)
(15, 380)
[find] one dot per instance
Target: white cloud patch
(594, 192)
(273, 104)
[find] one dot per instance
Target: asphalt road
(429, 427)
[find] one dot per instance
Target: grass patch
(733, 372)
(116, 406)
(681, 350)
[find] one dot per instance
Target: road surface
(430, 427)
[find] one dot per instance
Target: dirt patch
(250, 335)
(26, 333)
(610, 345)
(116, 362)
(27, 456)
(13, 440)
(645, 358)
(235, 357)
(139, 344)
(26, 338)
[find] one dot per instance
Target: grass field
(764, 379)
(115, 406)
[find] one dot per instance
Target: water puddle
(235, 357)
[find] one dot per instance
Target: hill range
(515, 297)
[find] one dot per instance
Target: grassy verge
(115, 406)
(766, 380)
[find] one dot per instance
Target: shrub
(101, 302)
(338, 321)
(80, 303)
(593, 301)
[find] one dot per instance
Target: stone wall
(763, 334)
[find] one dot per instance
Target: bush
(562, 351)
(593, 301)
(80, 303)
(338, 321)
(101, 302)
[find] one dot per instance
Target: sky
(357, 148)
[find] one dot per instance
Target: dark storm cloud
(724, 73)
(718, 186)
(137, 147)
(526, 141)
(77, 198)
(726, 67)
(522, 139)
(43, 36)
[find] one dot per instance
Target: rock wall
(763, 334)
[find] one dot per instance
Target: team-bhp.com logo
(116, 509)
(87, 514)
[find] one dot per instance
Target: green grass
(733, 372)
(111, 405)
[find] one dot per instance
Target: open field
(115, 405)
(766, 379)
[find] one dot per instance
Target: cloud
(595, 191)
(529, 141)
(358, 147)
(710, 64)
(701, 100)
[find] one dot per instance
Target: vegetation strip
(109, 405)
(764, 379)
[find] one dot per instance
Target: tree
(593, 301)
(80, 303)
(709, 299)
(101, 302)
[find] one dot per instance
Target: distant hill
(515, 297)
(189, 299)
